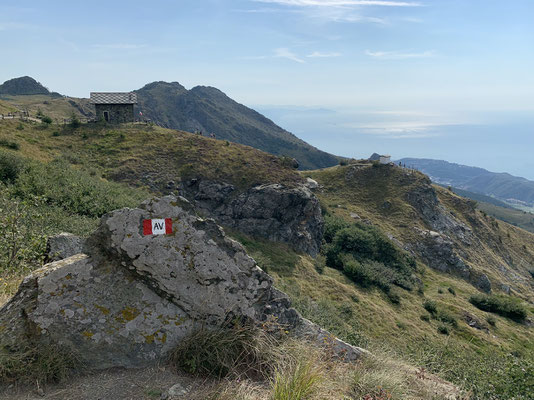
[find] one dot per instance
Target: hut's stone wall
(117, 113)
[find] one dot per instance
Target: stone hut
(115, 107)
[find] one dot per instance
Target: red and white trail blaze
(157, 226)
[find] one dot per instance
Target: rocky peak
(24, 85)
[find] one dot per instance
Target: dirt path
(115, 384)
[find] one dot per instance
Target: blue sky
(410, 78)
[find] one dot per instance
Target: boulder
(131, 296)
(290, 215)
(62, 246)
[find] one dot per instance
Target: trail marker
(157, 226)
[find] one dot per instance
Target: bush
(343, 162)
(46, 120)
(430, 306)
(394, 296)
(366, 256)
(20, 126)
(452, 291)
(22, 238)
(425, 317)
(491, 320)
(73, 190)
(9, 144)
(11, 166)
(506, 306)
(447, 318)
(443, 329)
(74, 121)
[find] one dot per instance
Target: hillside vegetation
(150, 156)
(370, 286)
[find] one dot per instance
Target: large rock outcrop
(130, 297)
(438, 251)
(276, 212)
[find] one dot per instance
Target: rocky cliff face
(275, 212)
(131, 297)
(436, 246)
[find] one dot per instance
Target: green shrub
(443, 329)
(9, 144)
(491, 320)
(394, 296)
(447, 318)
(46, 120)
(22, 238)
(11, 166)
(452, 291)
(425, 317)
(366, 256)
(73, 190)
(430, 306)
(20, 126)
(440, 290)
(74, 121)
(343, 162)
(506, 306)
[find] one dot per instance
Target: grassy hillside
(427, 325)
(400, 309)
(149, 156)
(209, 110)
(521, 219)
(57, 108)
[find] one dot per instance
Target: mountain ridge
(513, 190)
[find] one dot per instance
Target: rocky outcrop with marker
(276, 212)
(129, 298)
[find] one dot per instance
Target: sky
(447, 79)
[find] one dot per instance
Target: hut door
(106, 116)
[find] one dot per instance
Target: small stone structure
(115, 107)
(130, 297)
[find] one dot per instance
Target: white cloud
(339, 3)
(317, 54)
(284, 52)
(397, 55)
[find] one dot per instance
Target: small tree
(74, 121)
